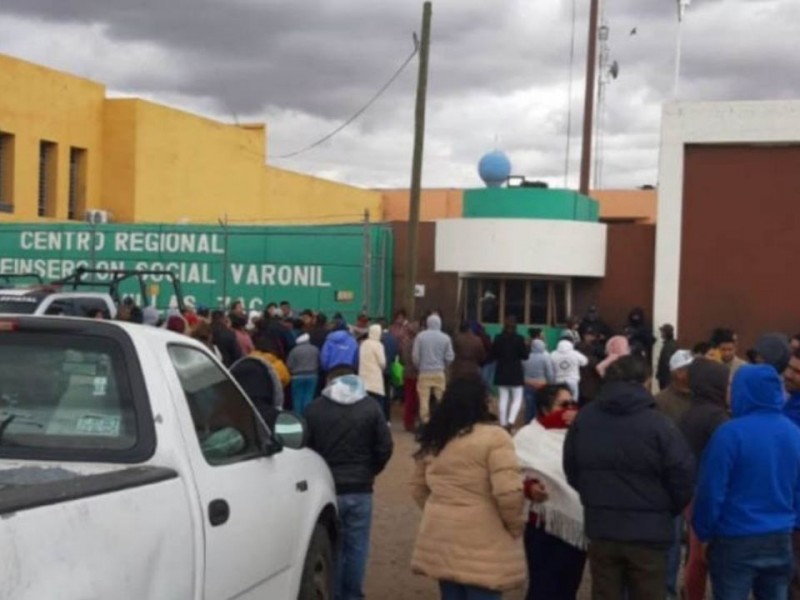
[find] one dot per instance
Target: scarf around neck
(540, 453)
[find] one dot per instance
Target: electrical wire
(569, 95)
(360, 111)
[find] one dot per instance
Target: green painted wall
(551, 334)
(529, 203)
(305, 265)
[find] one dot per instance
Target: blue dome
(494, 168)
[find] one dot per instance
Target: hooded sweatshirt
(631, 466)
(567, 362)
(539, 366)
(350, 434)
(372, 361)
(339, 350)
(304, 357)
(708, 381)
(433, 350)
(749, 481)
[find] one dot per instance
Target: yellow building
(66, 149)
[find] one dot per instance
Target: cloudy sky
(500, 73)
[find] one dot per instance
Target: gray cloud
(498, 69)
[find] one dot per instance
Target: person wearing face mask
(555, 544)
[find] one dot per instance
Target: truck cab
(132, 465)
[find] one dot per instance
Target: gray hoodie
(433, 350)
(539, 365)
(304, 357)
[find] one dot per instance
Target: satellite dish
(613, 70)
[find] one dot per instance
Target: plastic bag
(397, 373)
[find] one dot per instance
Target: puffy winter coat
(349, 431)
(372, 361)
(631, 466)
(472, 500)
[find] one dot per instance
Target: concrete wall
(739, 241)
(639, 206)
(434, 204)
(39, 104)
(521, 246)
(529, 203)
(441, 289)
(296, 198)
(745, 210)
(628, 282)
(153, 164)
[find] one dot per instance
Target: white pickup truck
(43, 300)
(133, 466)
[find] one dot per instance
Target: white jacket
(567, 362)
(372, 361)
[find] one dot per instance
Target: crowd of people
(533, 463)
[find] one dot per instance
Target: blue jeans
(674, 558)
(355, 513)
(762, 564)
(457, 591)
(303, 389)
(530, 404)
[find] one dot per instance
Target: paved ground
(394, 528)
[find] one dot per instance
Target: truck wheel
(317, 582)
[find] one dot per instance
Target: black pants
(618, 566)
(555, 568)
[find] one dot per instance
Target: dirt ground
(394, 528)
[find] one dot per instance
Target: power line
(361, 110)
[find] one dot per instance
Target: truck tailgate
(122, 534)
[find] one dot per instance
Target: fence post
(224, 225)
(366, 284)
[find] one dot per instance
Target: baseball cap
(681, 359)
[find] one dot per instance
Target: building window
(48, 156)
(531, 301)
(6, 172)
(77, 183)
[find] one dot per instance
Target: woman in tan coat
(468, 483)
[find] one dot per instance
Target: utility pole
(416, 166)
(588, 107)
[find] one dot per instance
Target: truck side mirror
(290, 430)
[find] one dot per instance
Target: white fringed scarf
(540, 453)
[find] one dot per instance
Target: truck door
(248, 498)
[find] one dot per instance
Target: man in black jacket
(634, 473)
(352, 436)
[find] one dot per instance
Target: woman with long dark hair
(468, 483)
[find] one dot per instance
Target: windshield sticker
(97, 425)
(100, 386)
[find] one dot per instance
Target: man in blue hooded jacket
(748, 493)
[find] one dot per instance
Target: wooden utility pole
(588, 106)
(416, 166)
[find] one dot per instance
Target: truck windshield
(64, 392)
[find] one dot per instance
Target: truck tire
(318, 575)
